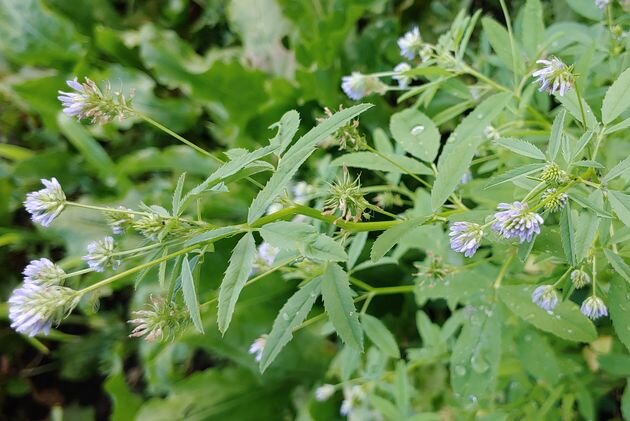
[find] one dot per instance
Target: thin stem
(400, 167)
(382, 211)
(503, 271)
(178, 137)
(189, 143)
(78, 273)
(135, 269)
(314, 213)
(579, 98)
(564, 275)
(104, 209)
(594, 275)
(251, 281)
(511, 36)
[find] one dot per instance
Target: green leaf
(521, 147)
(618, 264)
(625, 401)
(296, 156)
(190, 295)
(616, 100)
(620, 309)
(500, 41)
(340, 308)
(457, 287)
(586, 8)
(392, 236)
(389, 162)
(588, 164)
(589, 204)
(617, 127)
(33, 35)
(236, 275)
(355, 249)
(125, 403)
(513, 174)
(567, 235)
(227, 170)
(585, 230)
(566, 321)
(177, 195)
(380, 335)
(619, 169)
(620, 202)
(291, 315)
(304, 238)
(462, 145)
(287, 128)
(530, 347)
(556, 135)
(402, 393)
(416, 133)
(212, 236)
(570, 102)
(533, 28)
(261, 26)
(581, 144)
(476, 355)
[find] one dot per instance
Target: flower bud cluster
(88, 101)
(160, 320)
(345, 195)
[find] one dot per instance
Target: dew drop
(473, 399)
(285, 316)
(416, 130)
(569, 331)
(460, 370)
(351, 314)
(479, 364)
(479, 116)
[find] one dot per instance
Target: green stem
(78, 272)
(383, 211)
(511, 36)
(135, 269)
(104, 209)
(314, 213)
(178, 137)
(400, 167)
(189, 143)
(579, 98)
(503, 272)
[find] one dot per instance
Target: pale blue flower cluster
(554, 76)
(46, 204)
(88, 101)
(41, 300)
(602, 4)
(465, 237)
(257, 347)
(324, 392)
(101, 255)
(401, 77)
(410, 44)
(594, 308)
(516, 221)
(546, 297)
(43, 271)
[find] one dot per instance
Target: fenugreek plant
(506, 187)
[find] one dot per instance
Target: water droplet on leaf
(416, 130)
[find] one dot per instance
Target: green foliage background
(221, 72)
